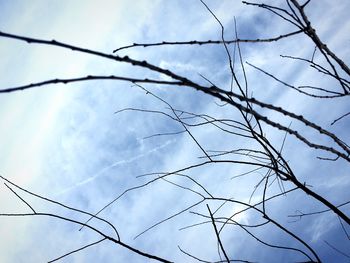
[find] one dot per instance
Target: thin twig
(209, 42)
(217, 235)
(77, 250)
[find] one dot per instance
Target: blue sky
(66, 142)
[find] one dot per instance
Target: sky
(72, 143)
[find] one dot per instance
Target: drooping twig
(60, 204)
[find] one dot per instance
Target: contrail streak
(117, 163)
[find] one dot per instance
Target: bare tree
(271, 172)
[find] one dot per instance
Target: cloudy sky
(67, 142)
